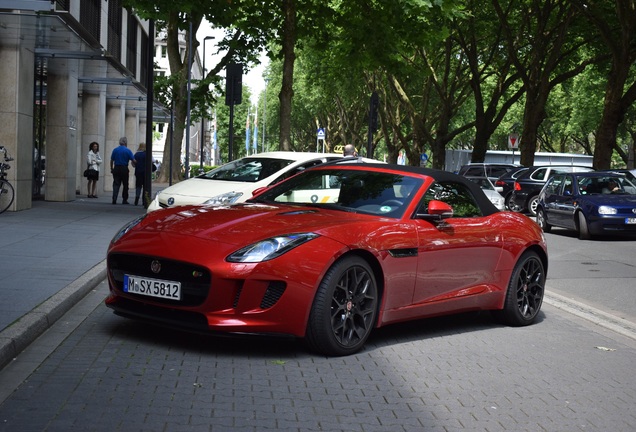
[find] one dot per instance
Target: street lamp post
(201, 170)
(264, 113)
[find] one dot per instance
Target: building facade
(73, 72)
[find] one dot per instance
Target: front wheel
(584, 231)
(7, 194)
(344, 309)
(525, 292)
(542, 221)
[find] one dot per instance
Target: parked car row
(519, 186)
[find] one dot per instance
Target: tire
(524, 295)
(511, 205)
(542, 221)
(584, 231)
(532, 205)
(344, 310)
(7, 194)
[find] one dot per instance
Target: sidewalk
(50, 256)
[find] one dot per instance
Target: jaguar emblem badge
(155, 266)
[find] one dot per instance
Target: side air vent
(274, 292)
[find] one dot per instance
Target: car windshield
(370, 192)
(610, 184)
(249, 169)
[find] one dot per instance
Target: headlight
(224, 199)
(606, 210)
(130, 225)
(270, 248)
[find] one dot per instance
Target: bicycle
(7, 193)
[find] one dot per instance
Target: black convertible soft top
(484, 203)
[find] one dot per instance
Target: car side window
(477, 171)
(457, 195)
(497, 171)
(539, 174)
(553, 186)
(567, 186)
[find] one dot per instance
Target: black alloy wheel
(344, 310)
(525, 292)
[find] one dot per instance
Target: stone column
(115, 128)
(16, 117)
(94, 129)
(61, 134)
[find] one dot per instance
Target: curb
(19, 335)
(591, 314)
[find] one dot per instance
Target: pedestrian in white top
(94, 160)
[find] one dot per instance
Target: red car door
(458, 256)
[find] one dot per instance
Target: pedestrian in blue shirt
(119, 159)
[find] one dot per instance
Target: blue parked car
(591, 203)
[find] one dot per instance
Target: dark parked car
(529, 184)
(591, 203)
(507, 184)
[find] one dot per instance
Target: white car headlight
(270, 248)
(606, 210)
(224, 199)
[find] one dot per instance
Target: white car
(491, 191)
(235, 181)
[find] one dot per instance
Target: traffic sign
(321, 133)
(513, 141)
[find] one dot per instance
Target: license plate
(630, 221)
(152, 287)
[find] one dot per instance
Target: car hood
(197, 191)
(242, 224)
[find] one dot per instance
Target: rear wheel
(7, 194)
(532, 205)
(584, 231)
(511, 205)
(344, 310)
(525, 292)
(542, 221)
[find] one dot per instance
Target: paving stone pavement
(458, 373)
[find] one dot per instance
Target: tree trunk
(533, 115)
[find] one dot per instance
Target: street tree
(615, 22)
(243, 38)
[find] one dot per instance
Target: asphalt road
(94, 371)
(601, 273)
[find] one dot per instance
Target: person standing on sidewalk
(140, 171)
(94, 160)
(119, 159)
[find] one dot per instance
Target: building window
(114, 28)
(91, 17)
(131, 45)
(164, 51)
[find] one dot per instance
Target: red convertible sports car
(330, 254)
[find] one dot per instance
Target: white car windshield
(247, 169)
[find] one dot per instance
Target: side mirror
(437, 211)
(259, 190)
